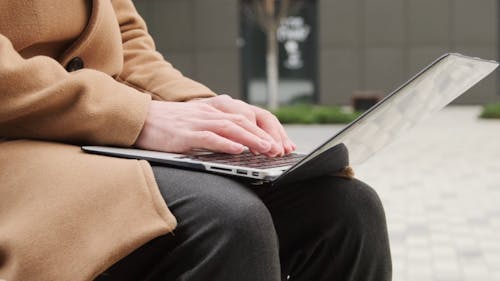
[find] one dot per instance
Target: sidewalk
(440, 184)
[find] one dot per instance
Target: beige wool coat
(64, 214)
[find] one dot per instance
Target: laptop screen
(426, 93)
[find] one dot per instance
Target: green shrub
(491, 111)
(308, 114)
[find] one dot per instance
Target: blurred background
(440, 183)
(329, 49)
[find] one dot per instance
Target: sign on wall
(297, 37)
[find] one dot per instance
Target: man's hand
(218, 124)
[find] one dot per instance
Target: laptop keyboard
(247, 159)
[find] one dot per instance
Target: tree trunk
(272, 67)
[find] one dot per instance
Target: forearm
(40, 100)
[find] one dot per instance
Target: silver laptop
(427, 92)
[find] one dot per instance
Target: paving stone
(440, 185)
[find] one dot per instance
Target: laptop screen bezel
(312, 155)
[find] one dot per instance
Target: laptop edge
(274, 174)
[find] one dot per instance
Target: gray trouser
(328, 228)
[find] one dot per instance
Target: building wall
(376, 45)
(199, 37)
(363, 44)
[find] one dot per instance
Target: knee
(240, 217)
(241, 225)
(365, 227)
(364, 208)
(356, 206)
(248, 217)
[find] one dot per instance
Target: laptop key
(247, 159)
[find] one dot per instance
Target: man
(86, 72)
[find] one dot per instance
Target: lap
(302, 203)
(294, 209)
(290, 214)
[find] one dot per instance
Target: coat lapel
(100, 44)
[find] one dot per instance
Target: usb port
(241, 172)
(255, 174)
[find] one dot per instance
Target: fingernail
(254, 152)
(237, 148)
(287, 147)
(272, 155)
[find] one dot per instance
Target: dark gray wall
(199, 37)
(363, 44)
(375, 45)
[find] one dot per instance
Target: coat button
(75, 64)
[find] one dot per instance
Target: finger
(241, 121)
(269, 123)
(236, 133)
(254, 152)
(245, 124)
(288, 144)
(274, 131)
(213, 142)
(229, 105)
(246, 110)
(239, 107)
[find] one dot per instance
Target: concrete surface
(440, 185)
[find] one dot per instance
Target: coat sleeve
(144, 67)
(39, 99)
